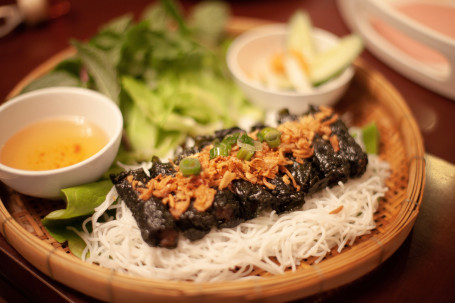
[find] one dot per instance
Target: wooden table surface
(422, 269)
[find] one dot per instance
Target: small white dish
(35, 106)
(263, 42)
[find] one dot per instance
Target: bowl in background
(42, 104)
(252, 47)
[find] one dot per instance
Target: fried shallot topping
(296, 139)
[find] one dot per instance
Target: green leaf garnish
(80, 202)
(370, 135)
(101, 69)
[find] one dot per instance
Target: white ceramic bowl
(263, 42)
(56, 102)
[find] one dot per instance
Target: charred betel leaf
(242, 200)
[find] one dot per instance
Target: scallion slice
(271, 136)
(231, 139)
(190, 166)
(219, 149)
(245, 139)
(245, 153)
(247, 142)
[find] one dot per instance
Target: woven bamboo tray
(369, 98)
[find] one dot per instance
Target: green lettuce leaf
(63, 234)
(141, 133)
(80, 203)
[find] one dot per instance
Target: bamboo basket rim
(108, 285)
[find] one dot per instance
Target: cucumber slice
(300, 36)
(331, 63)
(296, 75)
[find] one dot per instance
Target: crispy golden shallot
(204, 197)
(334, 142)
(296, 139)
(228, 177)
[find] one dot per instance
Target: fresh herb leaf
(101, 68)
(62, 234)
(370, 136)
(56, 78)
(142, 136)
(80, 201)
(75, 243)
(144, 98)
(175, 12)
(156, 17)
(208, 22)
(118, 26)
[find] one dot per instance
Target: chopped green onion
(257, 146)
(190, 166)
(244, 138)
(271, 136)
(231, 139)
(219, 149)
(248, 146)
(245, 153)
(248, 142)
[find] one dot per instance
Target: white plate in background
(417, 38)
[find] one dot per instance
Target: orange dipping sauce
(53, 143)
